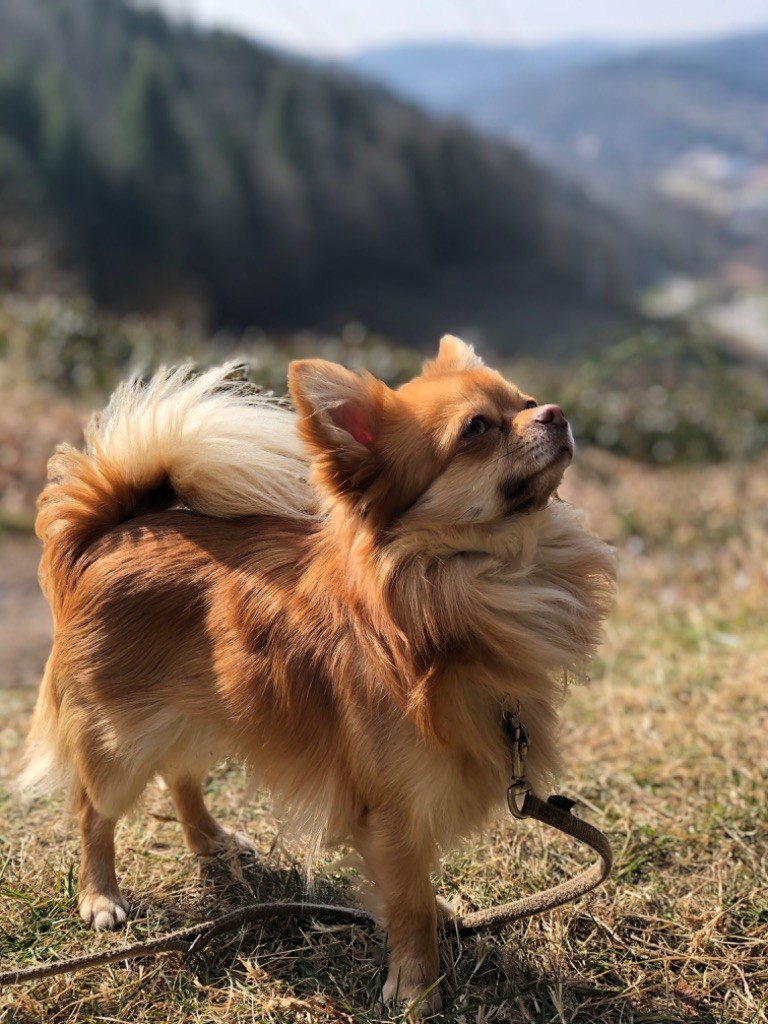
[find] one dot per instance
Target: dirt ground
(31, 425)
(25, 622)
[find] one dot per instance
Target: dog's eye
(531, 403)
(476, 426)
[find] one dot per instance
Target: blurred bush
(68, 347)
(71, 348)
(654, 397)
(661, 398)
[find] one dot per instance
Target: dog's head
(456, 445)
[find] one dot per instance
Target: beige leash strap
(554, 812)
(191, 940)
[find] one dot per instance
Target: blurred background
(581, 192)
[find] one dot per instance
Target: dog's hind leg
(107, 787)
(202, 833)
(99, 898)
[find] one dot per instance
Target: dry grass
(667, 748)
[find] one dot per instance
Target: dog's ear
(340, 420)
(454, 355)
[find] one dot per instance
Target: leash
(555, 812)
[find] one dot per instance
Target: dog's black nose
(550, 414)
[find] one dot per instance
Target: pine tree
(153, 154)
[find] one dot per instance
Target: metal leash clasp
(517, 738)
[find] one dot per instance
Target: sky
(341, 27)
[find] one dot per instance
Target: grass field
(667, 752)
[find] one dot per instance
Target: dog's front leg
(398, 864)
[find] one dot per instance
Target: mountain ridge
(675, 137)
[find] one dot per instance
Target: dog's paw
(241, 843)
(405, 987)
(445, 910)
(103, 911)
(225, 842)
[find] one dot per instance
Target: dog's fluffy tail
(206, 442)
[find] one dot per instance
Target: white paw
(406, 986)
(102, 911)
(445, 910)
(224, 842)
(240, 842)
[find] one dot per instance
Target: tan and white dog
(346, 598)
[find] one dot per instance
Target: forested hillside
(158, 163)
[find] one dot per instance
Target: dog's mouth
(522, 494)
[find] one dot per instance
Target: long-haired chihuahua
(346, 597)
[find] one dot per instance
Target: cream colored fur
(225, 450)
